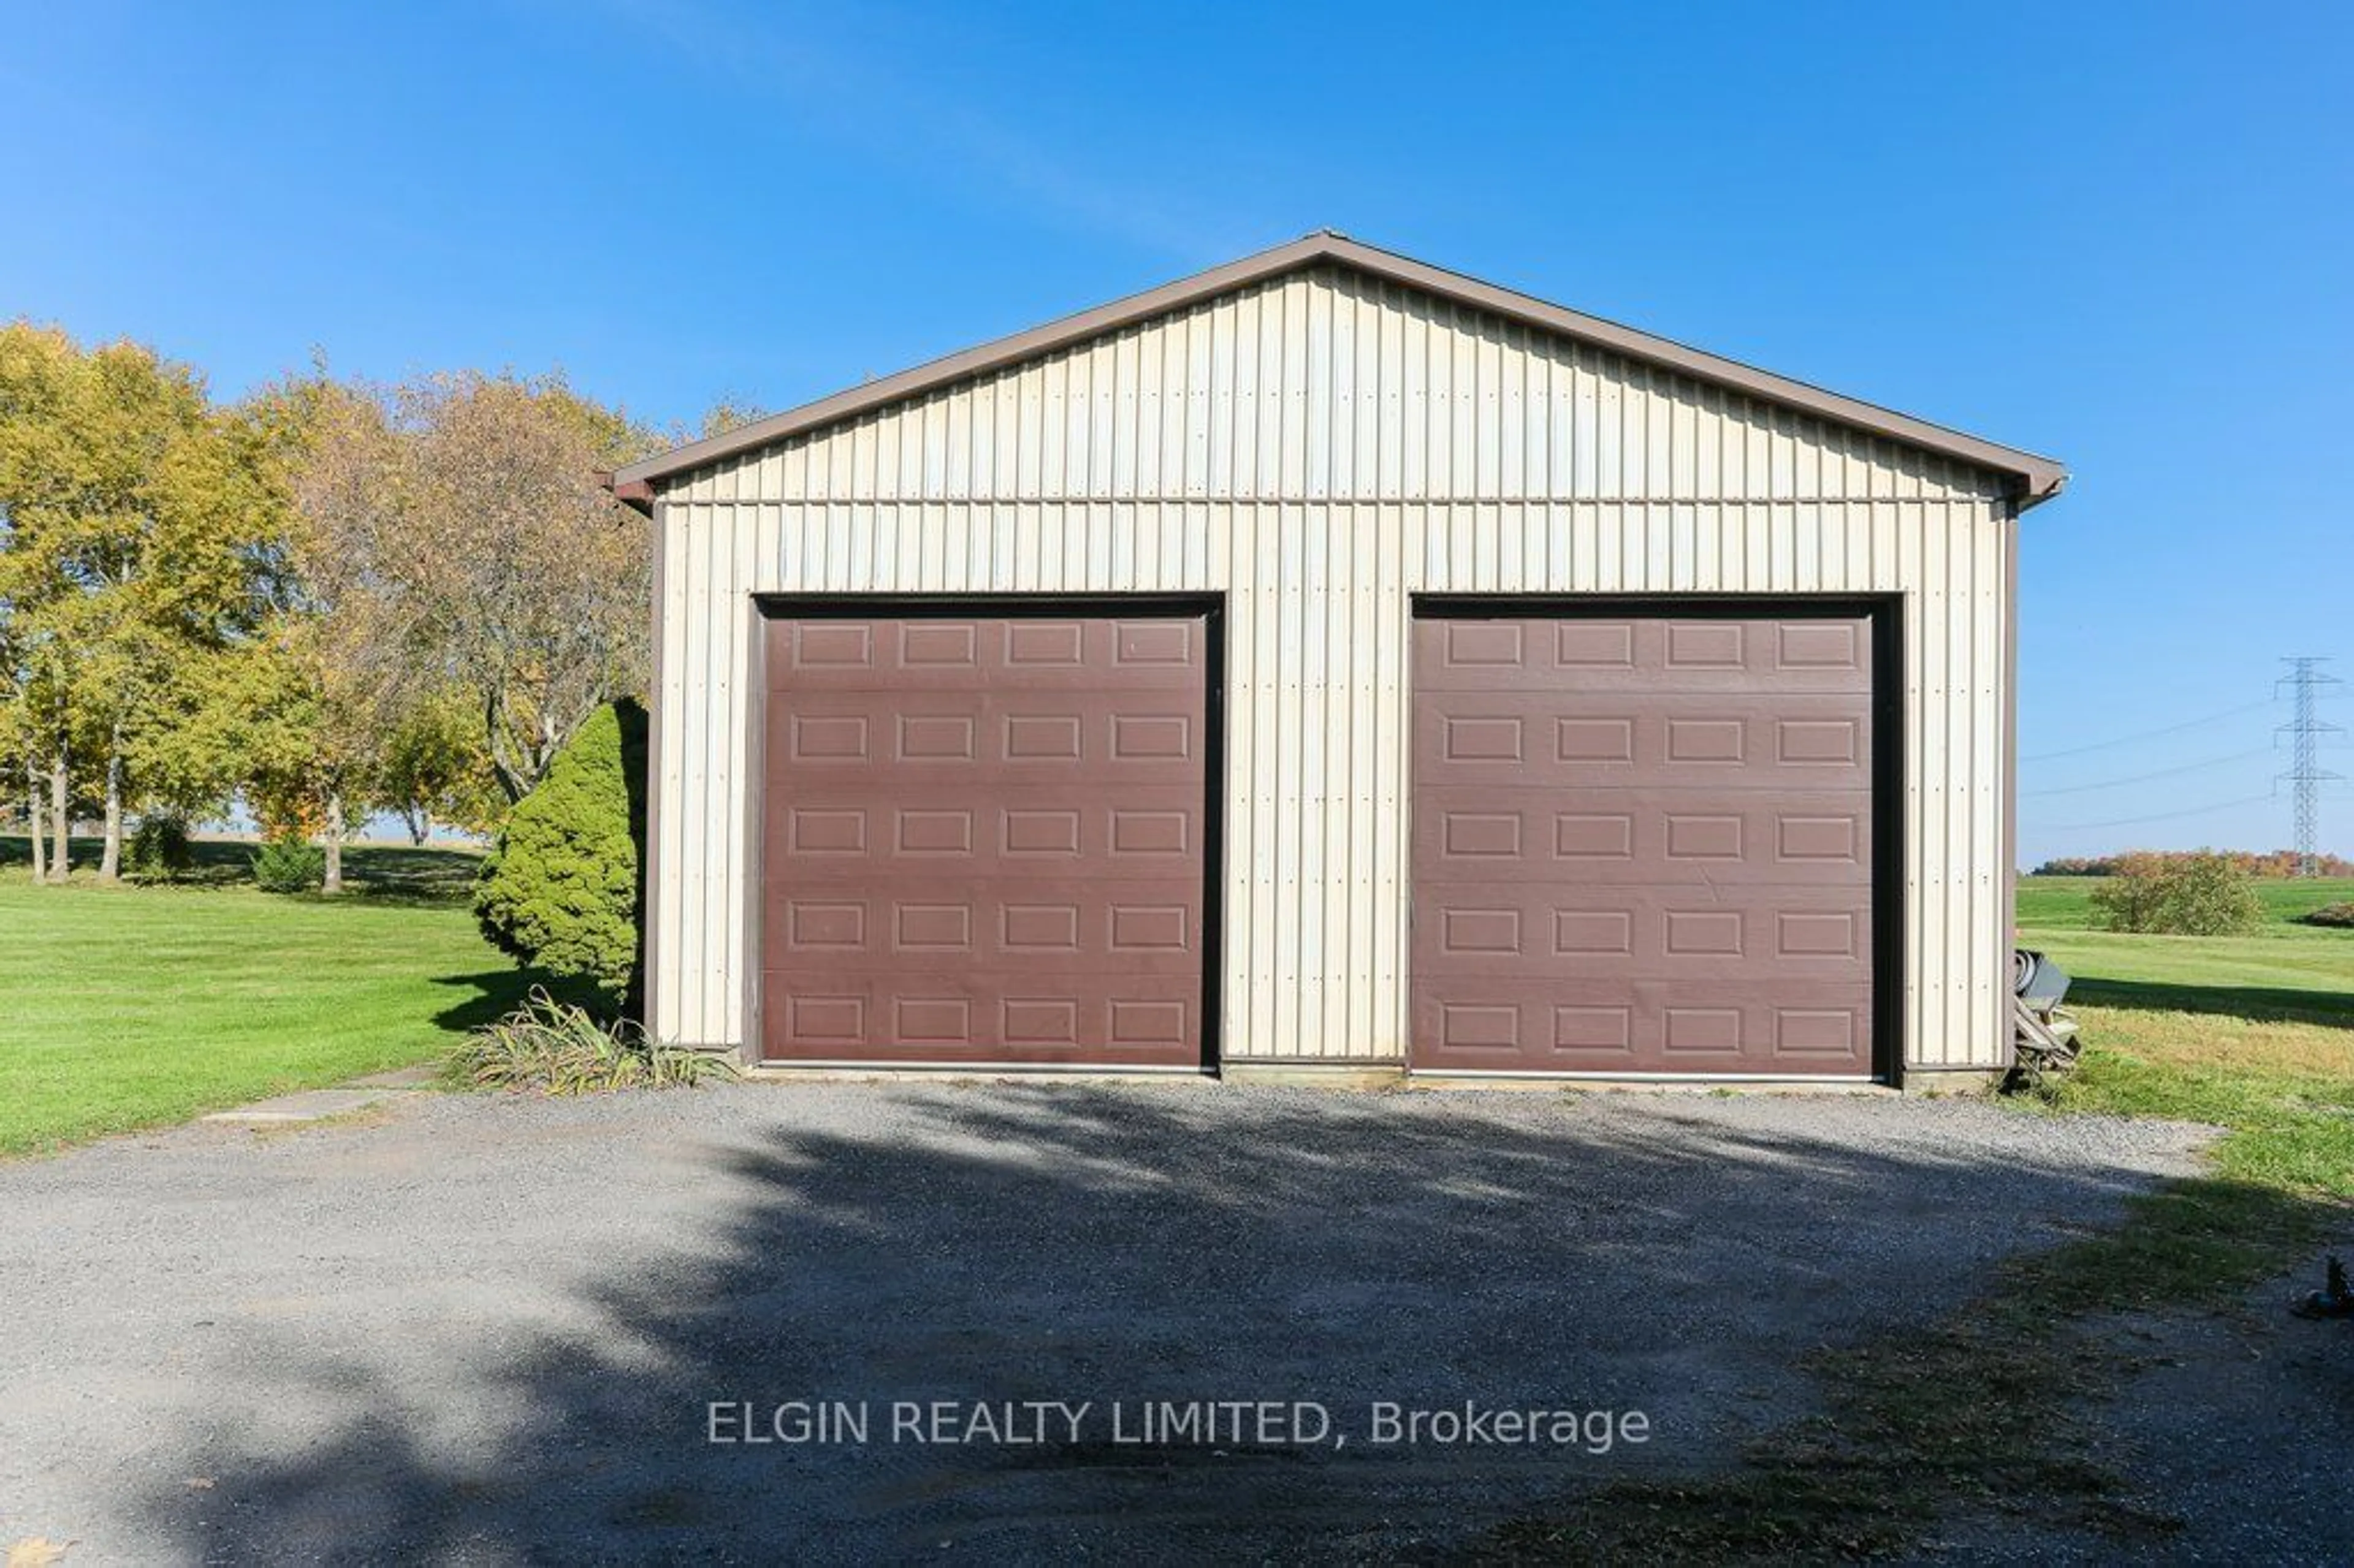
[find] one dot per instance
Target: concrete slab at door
(1643, 844)
(984, 840)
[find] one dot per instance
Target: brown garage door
(1643, 845)
(983, 841)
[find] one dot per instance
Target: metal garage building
(1330, 660)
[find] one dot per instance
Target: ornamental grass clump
(561, 1048)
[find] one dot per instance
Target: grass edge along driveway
(2254, 1034)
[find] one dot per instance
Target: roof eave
(2046, 480)
(637, 494)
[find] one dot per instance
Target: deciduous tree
(729, 413)
(459, 527)
(434, 772)
(2199, 894)
(131, 557)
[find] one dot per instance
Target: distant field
(2065, 903)
(2284, 971)
(131, 1007)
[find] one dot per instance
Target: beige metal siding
(1320, 449)
(1328, 387)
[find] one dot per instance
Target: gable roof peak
(2032, 478)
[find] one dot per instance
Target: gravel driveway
(492, 1330)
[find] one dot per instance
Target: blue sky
(2122, 234)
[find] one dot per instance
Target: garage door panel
(1473, 727)
(1107, 925)
(945, 1018)
(984, 840)
(978, 683)
(1643, 844)
(847, 792)
(1780, 836)
(1636, 930)
(1695, 774)
(1652, 1026)
(844, 835)
(839, 734)
(1702, 655)
(1037, 964)
(985, 657)
(1646, 680)
(1532, 740)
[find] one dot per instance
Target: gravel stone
(490, 1329)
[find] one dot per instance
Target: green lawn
(2253, 1033)
(2066, 901)
(2285, 971)
(131, 1007)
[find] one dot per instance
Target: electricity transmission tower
(2306, 776)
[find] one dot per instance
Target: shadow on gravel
(1032, 1244)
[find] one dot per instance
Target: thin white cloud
(859, 101)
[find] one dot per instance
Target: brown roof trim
(2034, 479)
(635, 493)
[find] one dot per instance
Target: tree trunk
(109, 858)
(502, 744)
(60, 811)
(419, 826)
(335, 878)
(34, 821)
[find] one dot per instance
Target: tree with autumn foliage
(434, 771)
(135, 555)
(2199, 894)
(328, 600)
(457, 522)
(308, 709)
(2260, 863)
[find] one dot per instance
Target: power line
(2158, 817)
(2306, 775)
(2139, 778)
(2147, 734)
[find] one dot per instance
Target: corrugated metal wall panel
(1316, 790)
(1321, 387)
(1320, 452)
(668, 872)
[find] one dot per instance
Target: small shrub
(2201, 895)
(562, 1049)
(2340, 915)
(159, 850)
(560, 890)
(289, 865)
